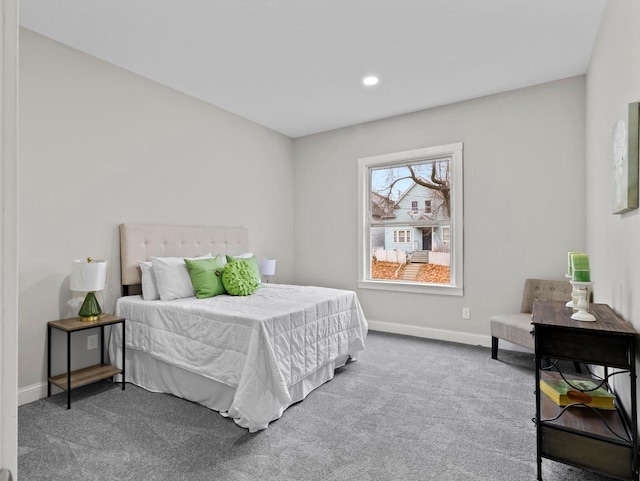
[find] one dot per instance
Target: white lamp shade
(88, 276)
(267, 267)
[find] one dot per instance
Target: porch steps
(420, 257)
(411, 272)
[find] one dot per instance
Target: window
(446, 235)
(401, 182)
(402, 237)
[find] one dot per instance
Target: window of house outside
(446, 237)
(402, 236)
(401, 248)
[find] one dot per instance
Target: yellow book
(587, 393)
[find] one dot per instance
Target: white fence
(440, 258)
(398, 256)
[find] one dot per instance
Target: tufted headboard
(140, 242)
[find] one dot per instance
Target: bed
(248, 357)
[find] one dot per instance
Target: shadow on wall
(69, 302)
(622, 296)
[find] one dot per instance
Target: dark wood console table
(598, 440)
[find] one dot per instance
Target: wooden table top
(76, 323)
(556, 314)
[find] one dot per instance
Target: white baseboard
(32, 393)
(431, 333)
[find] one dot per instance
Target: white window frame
(407, 236)
(365, 164)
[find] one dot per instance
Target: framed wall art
(625, 161)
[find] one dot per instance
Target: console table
(602, 441)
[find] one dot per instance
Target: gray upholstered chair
(517, 328)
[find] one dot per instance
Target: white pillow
(149, 283)
(172, 277)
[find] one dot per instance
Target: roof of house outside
(381, 206)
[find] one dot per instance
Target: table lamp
(267, 268)
(89, 275)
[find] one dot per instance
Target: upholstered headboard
(140, 242)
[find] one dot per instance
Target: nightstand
(81, 377)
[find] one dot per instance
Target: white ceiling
(296, 65)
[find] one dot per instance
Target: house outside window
(394, 233)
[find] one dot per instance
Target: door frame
(9, 242)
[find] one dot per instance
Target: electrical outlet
(92, 342)
(466, 313)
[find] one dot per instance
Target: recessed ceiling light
(370, 80)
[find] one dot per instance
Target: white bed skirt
(154, 375)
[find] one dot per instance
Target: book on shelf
(580, 391)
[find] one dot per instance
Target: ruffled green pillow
(239, 279)
(249, 259)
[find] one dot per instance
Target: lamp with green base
(89, 275)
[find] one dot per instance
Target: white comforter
(261, 345)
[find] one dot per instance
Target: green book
(587, 393)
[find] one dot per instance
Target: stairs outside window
(420, 257)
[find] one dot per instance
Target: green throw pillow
(206, 276)
(239, 279)
(252, 261)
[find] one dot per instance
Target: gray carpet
(408, 409)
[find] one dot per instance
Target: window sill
(418, 287)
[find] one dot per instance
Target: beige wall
(100, 146)
(613, 81)
(524, 203)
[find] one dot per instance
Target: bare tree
(433, 175)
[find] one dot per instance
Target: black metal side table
(81, 377)
(598, 440)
